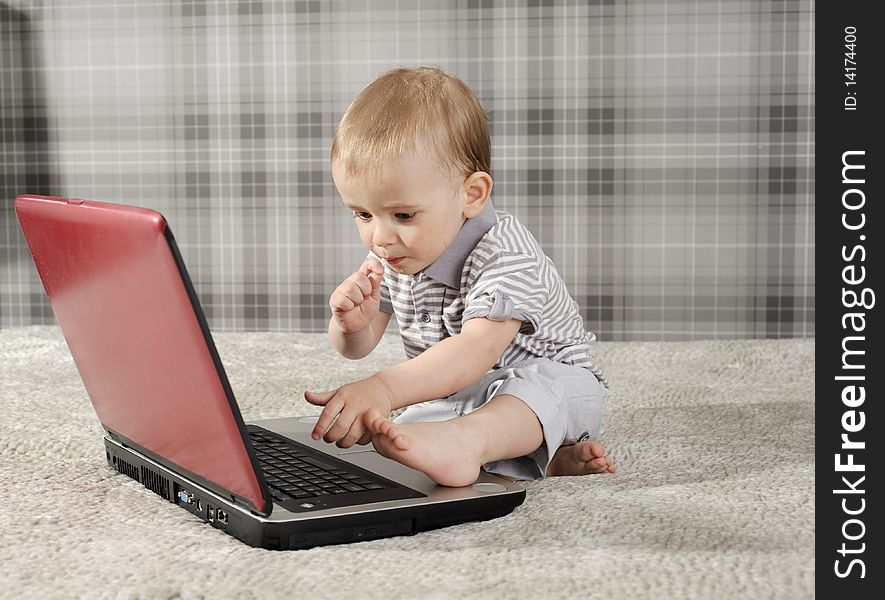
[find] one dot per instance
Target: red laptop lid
(124, 302)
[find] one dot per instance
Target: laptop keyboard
(296, 473)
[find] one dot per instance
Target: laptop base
(300, 532)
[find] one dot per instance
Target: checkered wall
(661, 152)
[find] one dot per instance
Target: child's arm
(439, 371)
(357, 322)
(451, 365)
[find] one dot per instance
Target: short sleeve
(386, 304)
(506, 287)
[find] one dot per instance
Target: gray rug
(714, 497)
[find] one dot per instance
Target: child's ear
(477, 188)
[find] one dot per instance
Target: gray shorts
(569, 402)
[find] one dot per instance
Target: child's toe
(371, 417)
(401, 442)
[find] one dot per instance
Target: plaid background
(662, 152)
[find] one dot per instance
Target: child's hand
(342, 418)
(357, 300)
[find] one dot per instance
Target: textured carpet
(713, 498)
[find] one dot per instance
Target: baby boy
(499, 375)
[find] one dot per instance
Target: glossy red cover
(121, 302)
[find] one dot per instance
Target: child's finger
(358, 285)
(354, 434)
(373, 265)
(327, 419)
(374, 270)
(341, 426)
(341, 302)
(319, 398)
(350, 293)
(376, 285)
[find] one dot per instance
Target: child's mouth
(395, 261)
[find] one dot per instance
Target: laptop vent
(147, 477)
(127, 469)
(155, 482)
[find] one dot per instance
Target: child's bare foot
(583, 458)
(440, 449)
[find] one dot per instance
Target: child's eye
(405, 216)
(362, 216)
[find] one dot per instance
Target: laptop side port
(210, 513)
(185, 497)
(221, 516)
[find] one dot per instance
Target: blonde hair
(407, 108)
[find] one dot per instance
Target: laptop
(132, 321)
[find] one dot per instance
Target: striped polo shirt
(496, 269)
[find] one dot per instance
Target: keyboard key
(295, 473)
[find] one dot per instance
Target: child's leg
(452, 452)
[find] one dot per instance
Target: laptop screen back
(121, 298)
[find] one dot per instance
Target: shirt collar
(447, 268)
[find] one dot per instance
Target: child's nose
(383, 236)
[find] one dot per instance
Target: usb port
(210, 513)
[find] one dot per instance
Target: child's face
(407, 216)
